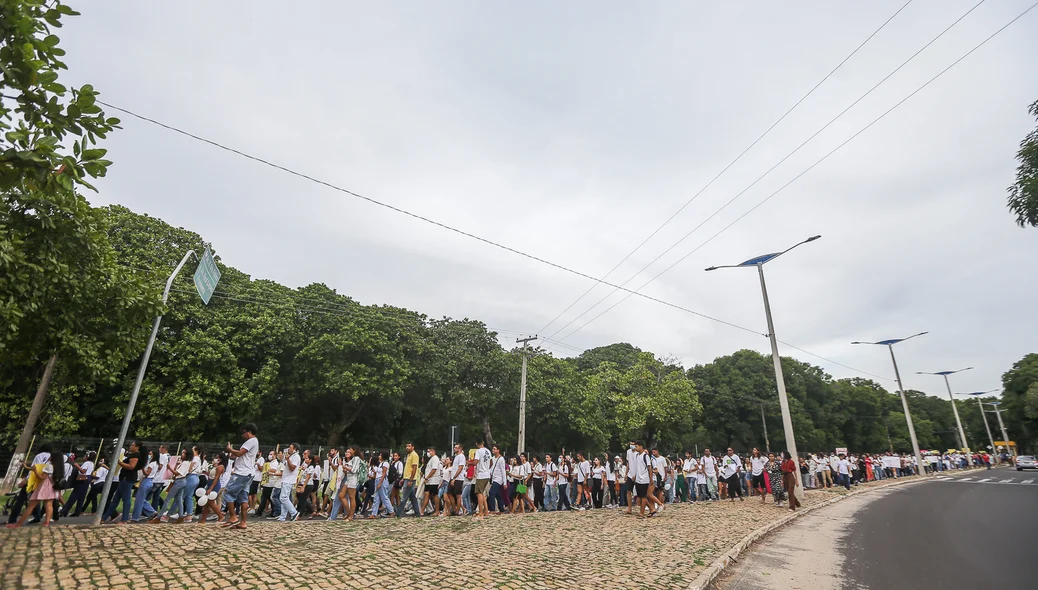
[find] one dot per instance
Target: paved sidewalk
(596, 549)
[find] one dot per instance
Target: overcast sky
(573, 130)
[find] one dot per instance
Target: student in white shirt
(690, 469)
(381, 501)
(843, 467)
(731, 465)
(537, 482)
(642, 471)
(583, 474)
(524, 473)
(708, 467)
(551, 484)
(564, 476)
(455, 495)
(483, 460)
(498, 479)
(243, 467)
(757, 464)
(598, 482)
(433, 478)
(289, 473)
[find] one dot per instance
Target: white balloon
(200, 492)
(212, 495)
(202, 500)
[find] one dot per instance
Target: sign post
(207, 275)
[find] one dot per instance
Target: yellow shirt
(412, 462)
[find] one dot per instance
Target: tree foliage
(1023, 193)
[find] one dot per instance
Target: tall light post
(1005, 437)
(787, 420)
(980, 405)
(904, 400)
(522, 396)
(955, 410)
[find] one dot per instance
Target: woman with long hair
(212, 505)
(774, 469)
(789, 479)
(398, 469)
(179, 469)
(348, 492)
(598, 474)
(46, 475)
(141, 507)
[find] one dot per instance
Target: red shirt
(789, 466)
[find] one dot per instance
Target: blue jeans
(495, 499)
(156, 493)
(466, 499)
(336, 502)
(123, 492)
(287, 509)
(564, 497)
(141, 504)
(551, 497)
(175, 497)
(381, 498)
(407, 493)
(237, 489)
(191, 482)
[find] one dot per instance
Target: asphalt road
(949, 533)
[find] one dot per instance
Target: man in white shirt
(583, 474)
(483, 463)
(708, 467)
(242, 470)
(453, 497)
(629, 484)
(730, 468)
(433, 478)
(498, 477)
(551, 484)
(843, 469)
(659, 476)
(289, 473)
(690, 469)
(642, 470)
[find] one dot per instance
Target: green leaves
(1023, 193)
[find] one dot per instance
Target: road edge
(716, 568)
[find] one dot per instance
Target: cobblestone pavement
(596, 549)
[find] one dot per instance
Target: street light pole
(1002, 426)
(983, 415)
(955, 409)
(780, 383)
(522, 398)
(113, 465)
(904, 399)
(764, 421)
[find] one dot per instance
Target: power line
(419, 217)
(812, 166)
(719, 174)
(754, 183)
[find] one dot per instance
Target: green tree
(1016, 385)
(62, 294)
(1023, 193)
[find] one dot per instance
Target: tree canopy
(1023, 193)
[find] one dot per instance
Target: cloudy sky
(571, 131)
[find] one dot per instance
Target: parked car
(1026, 462)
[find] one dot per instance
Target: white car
(1026, 462)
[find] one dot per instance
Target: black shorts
(456, 487)
(253, 487)
(758, 482)
(432, 489)
(641, 490)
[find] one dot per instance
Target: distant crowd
(233, 484)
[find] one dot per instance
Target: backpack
(362, 473)
(393, 475)
(67, 483)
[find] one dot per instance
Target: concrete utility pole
(522, 397)
(764, 421)
(1002, 426)
(987, 427)
(15, 468)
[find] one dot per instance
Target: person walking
(774, 470)
(551, 484)
(758, 463)
(381, 501)
(730, 468)
(243, 467)
(483, 462)
(289, 474)
(789, 479)
(410, 478)
(708, 468)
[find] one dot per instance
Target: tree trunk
(30, 425)
(347, 418)
(488, 437)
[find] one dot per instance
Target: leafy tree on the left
(62, 292)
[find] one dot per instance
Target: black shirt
(130, 474)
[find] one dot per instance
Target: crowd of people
(233, 484)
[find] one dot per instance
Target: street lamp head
(811, 239)
(892, 341)
(943, 373)
(711, 268)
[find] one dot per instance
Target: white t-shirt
(433, 471)
(550, 474)
(88, 468)
(598, 472)
(100, 474)
(757, 465)
(688, 466)
(730, 465)
(399, 466)
(583, 471)
(290, 474)
(153, 470)
(563, 474)
(483, 461)
(352, 472)
(258, 471)
(708, 465)
(159, 476)
(660, 465)
(515, 472)
(274, 481)
(381, 472)
(538, 471)
(196, 466)
(225, 478)
(844, 467)
(246, 464)
(610, 472)
(640, 468)
(497, 470)
(459, 466)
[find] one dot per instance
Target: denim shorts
(238, 489)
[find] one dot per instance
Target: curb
(731, 556)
